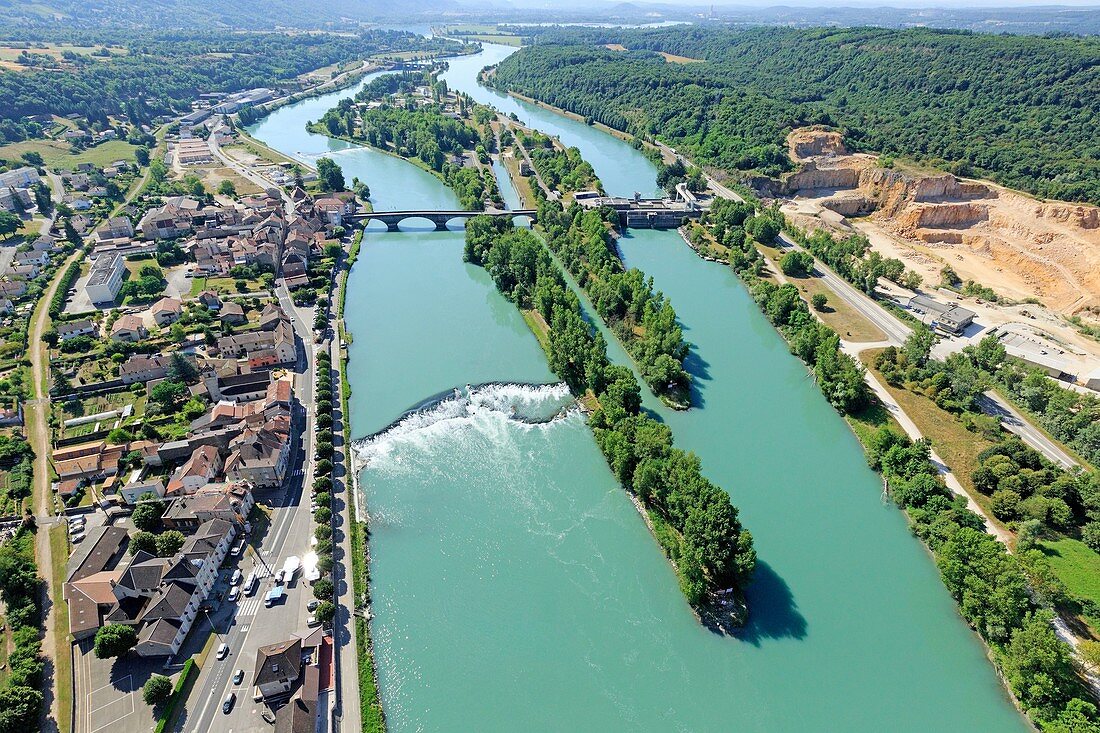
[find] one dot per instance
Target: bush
(819, 301)
(1090, 535)
(323, 515)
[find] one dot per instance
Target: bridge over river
(440, 218)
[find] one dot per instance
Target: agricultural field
(59, 155)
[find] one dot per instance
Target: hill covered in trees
(164, 72)
(1019, 110)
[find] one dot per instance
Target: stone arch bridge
(440, 218)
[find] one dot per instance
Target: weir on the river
(514, 587)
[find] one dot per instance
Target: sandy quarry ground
(1020, 247)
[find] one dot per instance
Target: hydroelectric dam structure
(439, 218)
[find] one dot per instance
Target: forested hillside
(1019, 110)
(164, 72)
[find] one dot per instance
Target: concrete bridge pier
(392, 226)
(440, 225)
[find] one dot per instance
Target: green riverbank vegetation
(562, 169)
(414, 115)
(999, 594)
(694, 520)
(642, 319)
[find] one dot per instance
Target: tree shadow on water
(773, 613)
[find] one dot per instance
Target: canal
(515, 587)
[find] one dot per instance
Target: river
(515, 587)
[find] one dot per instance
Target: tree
(9, 224)
(43, 199)
(19, 706)
(226, 188)
(330, 175)
(325, 612)
(143, 541)
(114, 640)
(141, 155)
(819, 301)
(167, 394)
(169, 543)
(148, 512)
(323, 589)
(157, 690)
(33, 158)
(796, 264)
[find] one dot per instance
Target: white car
(223, 651)
(234, 594)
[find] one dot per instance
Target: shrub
(156, 690)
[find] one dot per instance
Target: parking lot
(109, 691)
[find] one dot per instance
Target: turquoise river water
(516, 588)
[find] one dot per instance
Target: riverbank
(968, 556)
(372, 716)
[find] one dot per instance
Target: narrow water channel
(515, 587)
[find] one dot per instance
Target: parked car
(312, 605)
(235, 578)
(279, 575)
(223, 651)
(238, 676)
(228, 704)
(313, 621)
(234, 594)
(77, 537)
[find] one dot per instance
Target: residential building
(131, 492)
(128, 328)
(200, 469)
(71, 329)
(230, 502)
(277, 668)
(105, 278)
(143, 368)
(266, 347)
(24, 177)
(259, 456)
(117, 227)
(232, 314)
(166, 311)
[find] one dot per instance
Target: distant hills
(269, 14)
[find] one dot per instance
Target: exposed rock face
(1002, 238)
(811, 143)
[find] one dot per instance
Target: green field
(58, 155)
(1077, 566)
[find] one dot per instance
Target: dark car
(229, 700)
(238, 676)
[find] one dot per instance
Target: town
(189, 416)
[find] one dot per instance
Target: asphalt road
(995, 405)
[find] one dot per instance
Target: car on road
(238, 549)
(238, 677)
(236, 577)
(234, 594)
(223, 651)
(312, 605)
(279, 575)
(228, 704)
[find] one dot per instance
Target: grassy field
(58, 155)
(1077, 566)
(867, 421)
(838, 315)
(224, 285)
(62, 654)
(956, 445)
